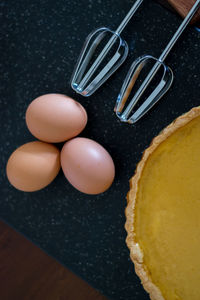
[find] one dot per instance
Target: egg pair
(54, 118)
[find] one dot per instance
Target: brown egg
(33, 166)
(87, 165)
(55, 118)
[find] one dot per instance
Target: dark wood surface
(26, 272)
(182, 7)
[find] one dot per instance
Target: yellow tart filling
(167, 214)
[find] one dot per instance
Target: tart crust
(135, 250)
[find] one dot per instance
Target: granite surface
(40, 43)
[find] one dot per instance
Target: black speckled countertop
(40, 43)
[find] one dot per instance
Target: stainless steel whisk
(87, 77)
(161, 88)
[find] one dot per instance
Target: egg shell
(87, 165)
(55, 118)
(33, 166)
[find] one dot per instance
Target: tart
(163, 212)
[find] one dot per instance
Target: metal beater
(161, 88)
(92, 71)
